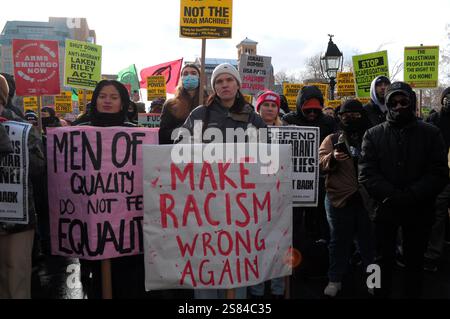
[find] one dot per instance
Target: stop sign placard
(36, 67)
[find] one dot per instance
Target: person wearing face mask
(175, 111)
(437, 238)
(310, 103)
(403, 166)
(346, 213)
(376, 109)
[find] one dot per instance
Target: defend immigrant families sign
(422, 66)
(366, 68)
(215, 224)
(83, 64)
(206, 19)
(305, 161)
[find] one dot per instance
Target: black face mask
(353, 125)
(107, 119)
(401, 117)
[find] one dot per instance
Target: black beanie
(351, 106)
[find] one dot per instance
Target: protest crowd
(152, 203)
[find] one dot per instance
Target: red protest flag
(36, 67)
(170, 70)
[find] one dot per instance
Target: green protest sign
(83, 64)
(366, 68)
(422, 66)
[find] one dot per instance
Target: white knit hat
(225, 68)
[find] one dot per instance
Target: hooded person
(403, 167)
(310, 103)
(376, 109)
(31, 117)
(347, 216)
(284, 105)
(12, 91)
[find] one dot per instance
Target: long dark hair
(123, 92)
(182, 103)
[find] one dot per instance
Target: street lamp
(330, 63)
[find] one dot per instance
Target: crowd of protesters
(383, 186)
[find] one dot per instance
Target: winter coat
(404, 169)
(36, 171)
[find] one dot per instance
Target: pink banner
(95, 190)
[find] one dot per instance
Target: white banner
(210, 225)
(305, 161)
(14, 175)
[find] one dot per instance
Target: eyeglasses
(308, 111)
(403, 102)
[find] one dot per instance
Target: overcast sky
(146, 32)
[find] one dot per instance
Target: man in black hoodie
(376, 109)
(403, 166)
(437, 238)
(309, 113)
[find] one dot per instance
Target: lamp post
(330, 63)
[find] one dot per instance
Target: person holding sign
(404, 167)
(225, 109)
(310, 103)
(16, 240)
(110, 102)
(268, 106)
(376, 109)
(176, 110)
(339, 155)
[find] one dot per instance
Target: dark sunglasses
(308, 111)
(402, 102)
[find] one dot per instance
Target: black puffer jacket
(442, 121)
(375, 115)
(411, 160)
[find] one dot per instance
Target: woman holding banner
(16, 241)
(176, 110)
(110, 102)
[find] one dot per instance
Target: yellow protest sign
(206, 19)
(248, 98)
(81, 106)
(290, 91)
(333, 103)
(366, 68)
(422, 66)
(63, 103)
(156, 87)
(363, 100)
(30, 103)
(346, 84)
(83, 64)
